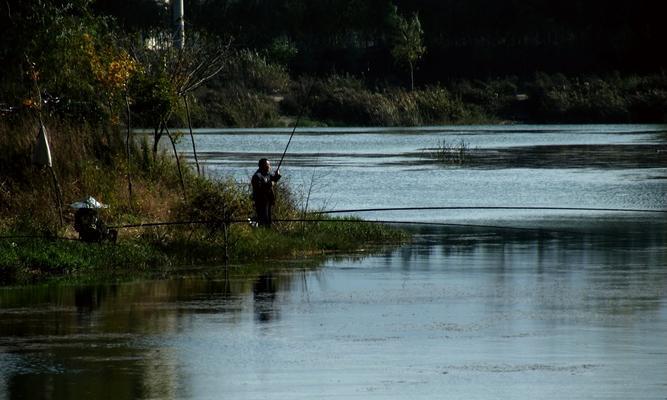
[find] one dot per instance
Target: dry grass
(87, 160)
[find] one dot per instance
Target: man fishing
(262, 191)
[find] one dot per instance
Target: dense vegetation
(473, 61)
(87, 84)
(34, 245)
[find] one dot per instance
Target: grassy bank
(32, 259)
(91, 160)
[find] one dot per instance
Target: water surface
(566, 305)
(613, 166)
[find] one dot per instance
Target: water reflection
(264, 294)
(582, 303)
(97, 341)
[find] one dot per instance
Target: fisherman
(88, 223)
(262, 191)
(91, 228)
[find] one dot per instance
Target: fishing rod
(303, 109)
(382, 209)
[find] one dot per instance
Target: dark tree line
(464, 38)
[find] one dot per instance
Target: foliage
(48, 39)
(254, 72)
(282, 50)
(154, 98)
(26, 260)
(215, 202)
(558, 98)
(234, 106)
(554, 98)
(317, 237)
(476, 39)
(88, 160)
(407, 42)
(112, 67)
(343, 100)
(357, 107)
(84, 63)
(243, 95)
(437, 106)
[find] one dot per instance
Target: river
(502, 304)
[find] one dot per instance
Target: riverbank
(348, 101)
(38, 240)
(34, 259)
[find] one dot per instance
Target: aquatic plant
(451, 152)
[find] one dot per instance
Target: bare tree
(173, 74)
(200, 63)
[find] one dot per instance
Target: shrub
(559, 99)
(217, 202)
(237, 107)
(251, 70)
(343, 100)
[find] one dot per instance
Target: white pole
(178, 12)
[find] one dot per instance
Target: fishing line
(153, 224)
(387, 222)
(36, 237)
(361, 221)
(425, 223)
(488, 208)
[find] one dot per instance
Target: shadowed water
(571, 305)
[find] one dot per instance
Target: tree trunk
(127, 149)
(178, 163)
(58, 194)
(192, 137)
(157, 134)
(412, 77)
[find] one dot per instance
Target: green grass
(335, 235)
(35, 259)
(28, 260)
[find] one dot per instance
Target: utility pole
(177, 12)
